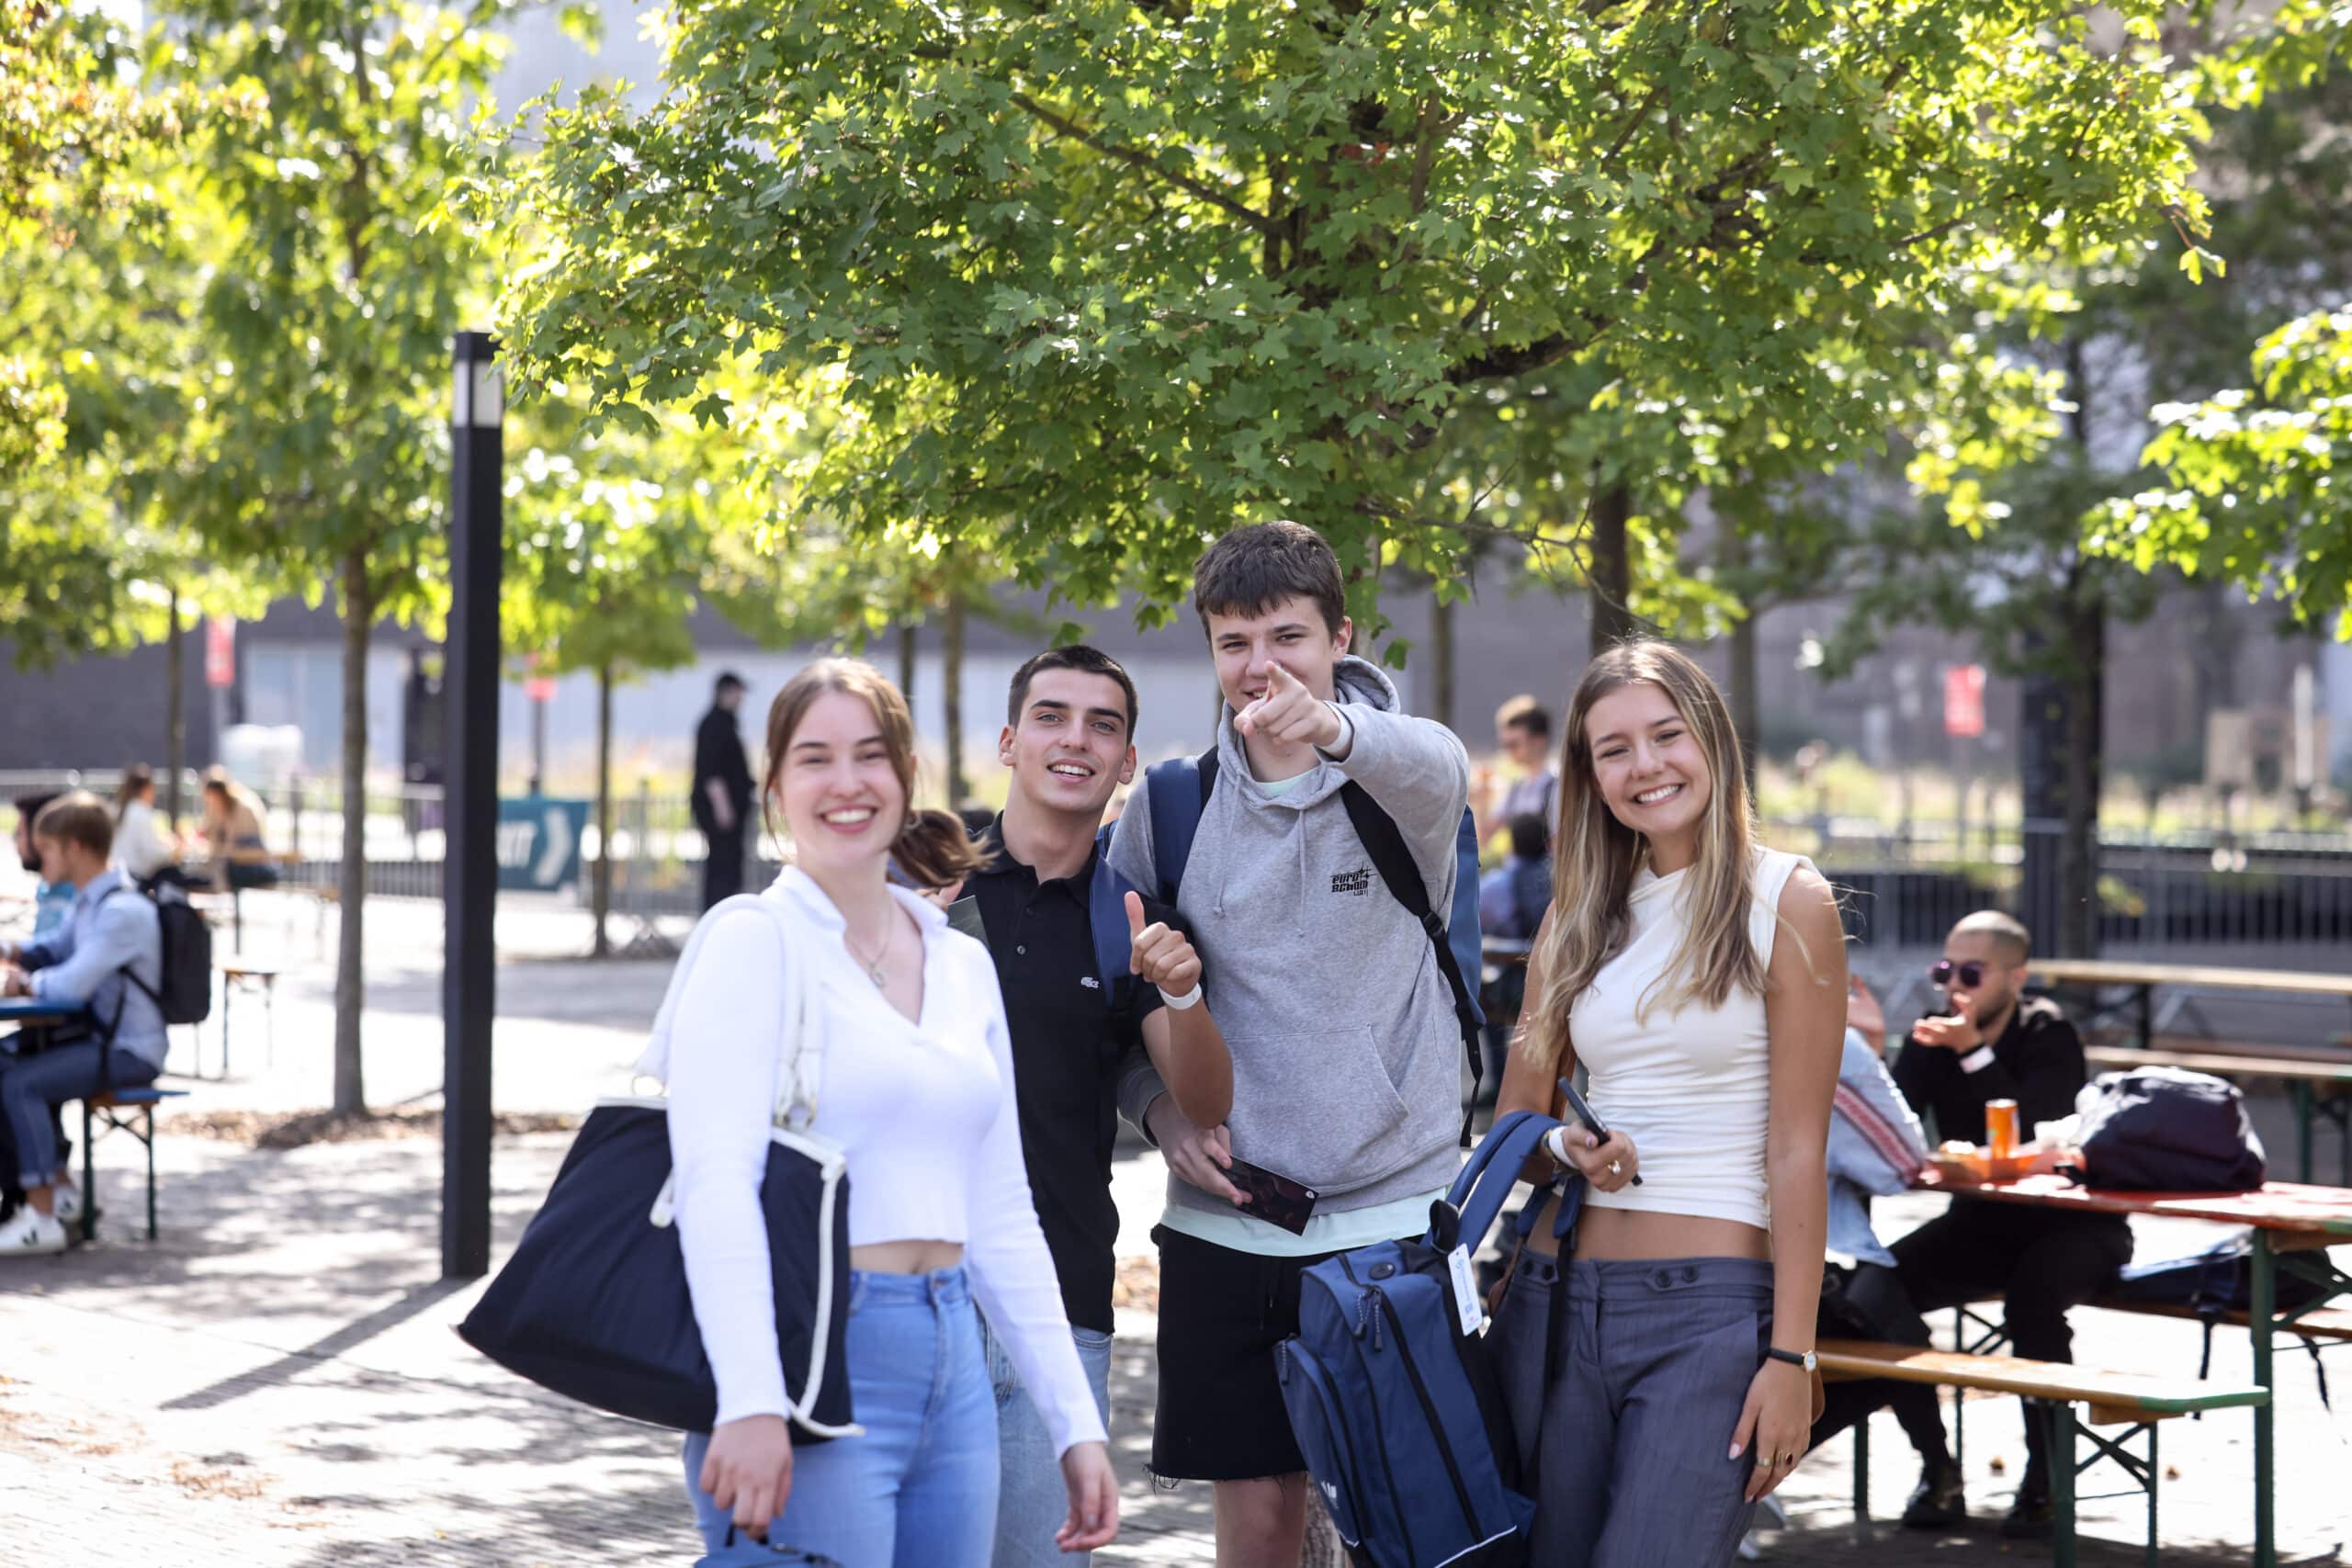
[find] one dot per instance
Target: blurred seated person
(232, 832)
(1991, 1041)
(1523, 737)
(1512, 899)
(52, 901)
(1876, 1148)
(108, 961)
(146, 852)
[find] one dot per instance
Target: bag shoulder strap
(1386, 844)
(801, 1072)
(1179, 792)
(1106, 913)
(1484, 1183)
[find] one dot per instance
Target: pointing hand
(1289, 715)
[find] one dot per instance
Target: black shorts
(1222, 1313)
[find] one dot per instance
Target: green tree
(331, 301)
(2255, 475)
(1096, 280)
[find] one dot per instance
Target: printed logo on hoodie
(1358, 882)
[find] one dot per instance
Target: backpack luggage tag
(1446, 1236)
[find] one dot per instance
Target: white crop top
(924, 1113)
(1689, 1084)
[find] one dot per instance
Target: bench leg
(89, 1174)
(227, 1000)
(269, 1016)
(1960, 1395)
(2155, 1479)
(147, 1137)
(1863, 1470)
(2061, 1417)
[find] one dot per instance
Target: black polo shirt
(2038, 1062)
(1068, 1041)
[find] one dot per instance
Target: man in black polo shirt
(1996, 1044)
(1068, 741)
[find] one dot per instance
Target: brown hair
(137, 780)
(1255, 567)
(81, 819)
(1525, 713)
(1075, 656)
(930, 847)
(1595, 857)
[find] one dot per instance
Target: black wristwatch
(1805, 1359)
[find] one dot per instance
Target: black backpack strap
(1402, 877)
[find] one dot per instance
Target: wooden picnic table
(2292, 1226)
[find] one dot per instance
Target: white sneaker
(31, 1231)
(66, 1199)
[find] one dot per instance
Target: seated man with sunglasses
(1993, 1043)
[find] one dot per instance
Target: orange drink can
(2000, 1128)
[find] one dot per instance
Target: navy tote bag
(593, 1303)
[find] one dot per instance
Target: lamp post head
(480, 394)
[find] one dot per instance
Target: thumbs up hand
(1159, 954)
(1289, 715)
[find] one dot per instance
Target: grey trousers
(1624, 1452)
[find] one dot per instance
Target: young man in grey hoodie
(1345, 1045)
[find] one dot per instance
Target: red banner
(1964, 701)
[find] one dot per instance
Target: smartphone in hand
(1583, 1114)
(1276, 1198)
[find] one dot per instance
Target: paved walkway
(274, 1381)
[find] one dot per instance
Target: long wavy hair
(930, 847)
(1595, 857)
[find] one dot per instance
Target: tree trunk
(1610, 579)
(1440, 706)
(906, 639)
(951, 694)
(358, 612)
(600, 895)
(1731, 552)
(2086, 690)
(175, 716)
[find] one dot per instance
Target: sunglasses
(1943, 972)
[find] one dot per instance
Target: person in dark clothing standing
(1067, 745)
(1994, 1043)
(722, 791)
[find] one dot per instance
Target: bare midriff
(905, 1257)
(1606, 1234)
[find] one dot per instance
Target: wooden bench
(2320, 1084)
(131, 1111)
(2137, 1401)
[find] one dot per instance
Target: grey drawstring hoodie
(1346, 1053)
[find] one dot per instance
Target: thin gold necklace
(874, 965)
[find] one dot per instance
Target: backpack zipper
(1429, 1413)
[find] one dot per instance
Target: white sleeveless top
(1689, 1084)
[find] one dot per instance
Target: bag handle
(1484, 1183)
(801, 1072)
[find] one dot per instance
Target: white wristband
(1976, 1061)
(1190, 998)
(1557, 1145)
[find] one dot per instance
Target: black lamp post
(470, 871)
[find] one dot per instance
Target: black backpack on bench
(2167, 1130)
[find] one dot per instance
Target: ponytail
(934, 850)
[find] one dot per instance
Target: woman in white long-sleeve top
(917, 1089)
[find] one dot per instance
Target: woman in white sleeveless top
(1658, 1375)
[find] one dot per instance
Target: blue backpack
(1180, 793)
(1398, 1409)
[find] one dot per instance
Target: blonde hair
(1595, 857)
(930, 847)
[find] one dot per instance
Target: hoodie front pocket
(1318, 1108)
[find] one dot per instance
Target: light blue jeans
(1032, 1501)
(919, 1489)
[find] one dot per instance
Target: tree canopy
(1098, 279)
